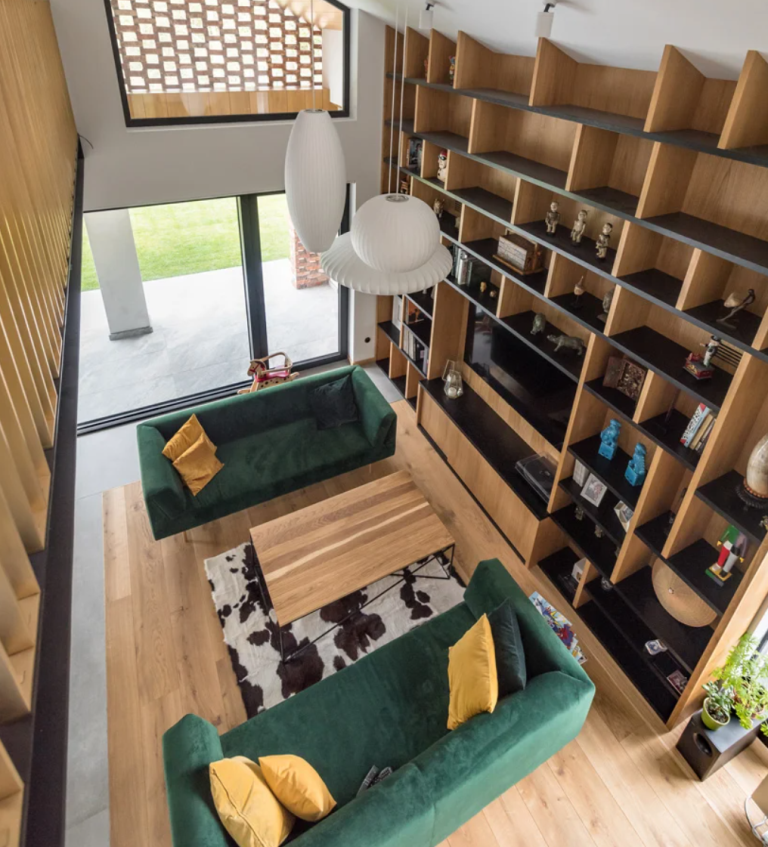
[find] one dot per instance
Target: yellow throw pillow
(250, 812)
(472, 675)
(298, 786)
(184, 439)
(198, 465)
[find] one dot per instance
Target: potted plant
(717, 706)
(744, 680)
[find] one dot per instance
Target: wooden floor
(620, 783)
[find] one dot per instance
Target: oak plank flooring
(620, 782)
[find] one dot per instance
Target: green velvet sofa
(269, 444)
(390, 708)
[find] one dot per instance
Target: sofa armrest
(188, 748)
(489, 586)
(161, 485)
(378, 418)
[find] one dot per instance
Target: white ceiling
(714, 34)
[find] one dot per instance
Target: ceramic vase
(757, 469)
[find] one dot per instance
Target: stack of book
(699, 428)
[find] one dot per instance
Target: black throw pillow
(508, 644)
(333, 404)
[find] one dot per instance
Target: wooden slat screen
(38, 141)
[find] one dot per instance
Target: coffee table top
(320, 554)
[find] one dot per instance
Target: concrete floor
(199, 339)
(104, 460)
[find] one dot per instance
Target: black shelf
(419, 369)
(603, 515)
(667, 357)
(391, 331)
(686, 643)
(557, 568)
(611, 198)
(609, 471)
(422, 330)
(588, 310)
(492, 437)
(584, 252)
(481, 299)
(485, 249)
(568, 361)
(706, 315)
(600, 551)
(498, 208)
(654, 285)
(665, 433)
(449, 226)
(720, 495)
(423, 302)
(690, 564)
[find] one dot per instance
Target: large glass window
(189, 61)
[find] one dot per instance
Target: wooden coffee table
(320, 554)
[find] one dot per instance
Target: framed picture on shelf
(624, 514)
(594, 490)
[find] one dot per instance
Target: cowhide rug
(250, 629)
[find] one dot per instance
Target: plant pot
(709, 721)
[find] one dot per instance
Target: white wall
(136, 167)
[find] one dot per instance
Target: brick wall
(305, 266)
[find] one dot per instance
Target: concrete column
(117, 267)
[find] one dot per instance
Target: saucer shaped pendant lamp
(315, 179)
(395, 232)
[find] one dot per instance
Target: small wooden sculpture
(603, 240)
(552, 218)
(578, 291)
(579, 227)
(438, 206)
(607, 300)
(736, 303)
(442, 165)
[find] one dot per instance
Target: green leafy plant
(744, 677)
(719, 701)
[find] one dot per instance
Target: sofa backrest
(238, 417)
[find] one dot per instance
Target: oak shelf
(654, 285)
(569, 362)
(720, 495)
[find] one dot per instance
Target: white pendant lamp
(342, 264)
(315, 173)
(394, 245)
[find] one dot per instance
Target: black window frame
(192, 120)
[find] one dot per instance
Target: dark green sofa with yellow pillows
(391, 708)
(269, 443)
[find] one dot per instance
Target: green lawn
(188, 238)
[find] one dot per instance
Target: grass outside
(189, 238)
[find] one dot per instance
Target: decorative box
(625, 376)
(520, 254)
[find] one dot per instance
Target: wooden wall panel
(37, 170)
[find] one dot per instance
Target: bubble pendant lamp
(315, 173)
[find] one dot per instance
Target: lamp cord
(402, 97)
(392, 121)
(312, 46)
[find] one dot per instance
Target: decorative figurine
(405, 185)
(736, 304)
(700, 365)
(570, 342)
(438, 206)
(754, 489)
(598, 531)
(483, 287)
(451, 69)
(539, 322)
(733, 548)
(579, 227)
(442, 165)
(579, 513)
(578, 291)
(492, 295)
(635, 472)
(603, 240)
(607, 300)
(711, 348)
(552, 218)
(609, 439)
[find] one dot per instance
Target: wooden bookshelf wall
(678, 164)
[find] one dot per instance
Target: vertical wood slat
(37, 171)
(11, 800)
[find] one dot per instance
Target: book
(560, 625)
(694, 423)
(705, 437)
(700, 431)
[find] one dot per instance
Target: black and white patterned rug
(250, 629)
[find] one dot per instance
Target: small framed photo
(579, 473)
(624, 514)
(594, 490)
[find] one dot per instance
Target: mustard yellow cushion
(198, 465)
(250, 812)
(184, 439)
(298, 786)
(472, 677)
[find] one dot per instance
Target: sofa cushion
(383, 710)
(298, 786)
(183, 439)
(198, 465)
(474, 685)
(333, 404)
(510, 654)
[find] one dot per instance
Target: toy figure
(442, 165)
(437, 207)
(579, 227)
(578, 291)
(570, 342)
(736, 304)
(552, 218)
(635, 473)
(711, 348)
(733, 548)
(483, 287)
(603, 240)
(539, 322)
(609, 439)
(607, 300)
